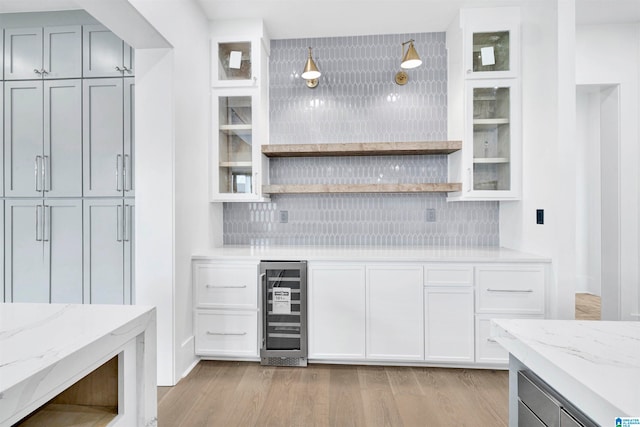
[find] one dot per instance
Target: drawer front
(222, 286)
(541, 403)
(526, 418)
(487, 349)
(510, 289)
(443, 275)
(227, 333)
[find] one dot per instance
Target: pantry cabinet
(104, 54)
(43, 133)
(43, 53)
(43, 250)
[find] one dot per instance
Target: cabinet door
(128, 235)
(62, 160)
(103, 52)
(103, 127)
(63, 241)
(23, 139)
(23, 53)
(26, 263)
(395, 313)
(129, 61)
(62, 52)
(336, 312)
(129, 137)
(449, 324)
(104, 257)
(492, 50)
(235, 62)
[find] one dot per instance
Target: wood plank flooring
(230, 394)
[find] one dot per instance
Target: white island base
(59, 362)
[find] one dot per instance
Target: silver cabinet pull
(46, 224)
(119, 223)
(38, 223)
(227, 333)
(126, 173)
(46, 173)
(119, 69)
(516, 291)
(127, 227)
(37, 174)
(38, 72)
(225, 287)
(44, 72)
(118, 171)
(491, 340)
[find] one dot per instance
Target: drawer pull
(225, 287)
(491, 340)
(227, 333)
(517, 291)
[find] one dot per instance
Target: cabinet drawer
(488, 351)
(221, 286)
(510, 289)
(227, 333)
(531, 392)
(443, 275)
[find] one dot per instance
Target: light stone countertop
(369, 253)
(45, 348)
(594, 364)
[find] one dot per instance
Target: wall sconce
(311, 72)
(410, 59)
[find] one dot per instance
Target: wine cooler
(284, 313)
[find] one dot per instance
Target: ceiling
(323, 18)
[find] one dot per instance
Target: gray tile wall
(357, 101)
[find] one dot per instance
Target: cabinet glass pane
(235, 132)
(491, 139)
(491, 51)
(234, 61)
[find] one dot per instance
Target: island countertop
(44, 348)
(370, 253)
(594, 364)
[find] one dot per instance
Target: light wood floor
(247, 394)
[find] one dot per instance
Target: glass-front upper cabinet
(492, 53)
(236, 154)
(234, 62)
(495, 120)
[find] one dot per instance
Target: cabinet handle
(491, 340)
(38, 72)
(119, 223)
(126, 173)
(119, 69)
(225, 287)
(36, 169)
(118, 171)
(38, 214)
(127, 228)
(44, 72)
(46, 224)
(226, 333)
(46, 173)
(515, 291)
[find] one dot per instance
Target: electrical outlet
(431, 215)
(539, 216)
(284, 217)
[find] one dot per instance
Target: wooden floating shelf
(362, 188)
(361, 149)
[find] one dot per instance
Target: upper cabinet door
(103, 128)
(23, 54)
(62, 155)
(492, 50)
(62, 52)
(23, 156)
(104, 53)
(129, 138)
(235, 62)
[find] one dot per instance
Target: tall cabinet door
(62, 155)
(103, 52)
(103, 128)
(62, 230)
(62, 48)
(23, 53)
(105, 234)
(129, 137)
(26, 264)
(23, 139)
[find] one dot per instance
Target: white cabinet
(336, 311)
(107, 142)
(43, 132)
(226, 309)
(37, 53)
(43, 249)
(108, 251)
(104, 54)
(394, 298)
(485, 104)
(236, 61)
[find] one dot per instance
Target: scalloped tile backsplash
(357, 101)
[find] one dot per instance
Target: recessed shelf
(362, 188)
(236, 164)
(496, 121)
(361, 149)
(490, 160)
(238, 129)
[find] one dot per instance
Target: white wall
(548, 113)
(609, 54)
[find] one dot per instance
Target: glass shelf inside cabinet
(235, 144)
(234, 61)
(491, 139)
(491, 51)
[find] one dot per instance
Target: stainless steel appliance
(284, 308)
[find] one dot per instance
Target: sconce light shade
(410, 58)
(311, 72)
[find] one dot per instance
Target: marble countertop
(369, 253)
(594, 364)
(43, 346)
